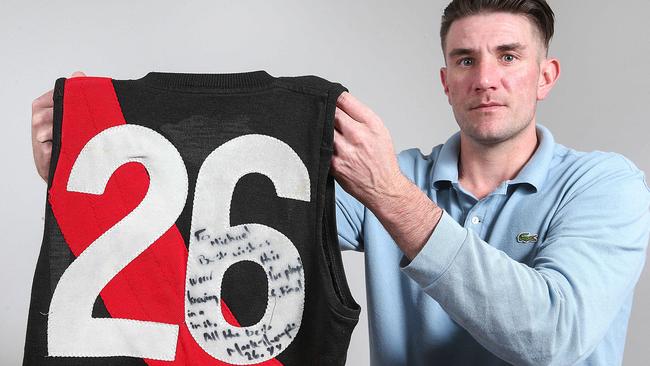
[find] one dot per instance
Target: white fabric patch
(72, 331)
(215, 246)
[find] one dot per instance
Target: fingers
(42, 125)
(355, 109)
(342, 138)
(338, 140)
(42, 116)
(42, 110)
(42, 152)
(341, 151)
(343, 122)
(353, 132)
(44, 101)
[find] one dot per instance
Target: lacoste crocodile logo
(526, 238)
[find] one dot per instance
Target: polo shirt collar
(445, 169)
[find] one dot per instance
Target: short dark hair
(538, 11)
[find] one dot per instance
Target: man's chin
(490, 134)
(488, 140)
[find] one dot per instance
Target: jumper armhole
(341, 299)
(346, 305)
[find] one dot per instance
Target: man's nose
(487, 76)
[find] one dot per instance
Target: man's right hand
(42, 122)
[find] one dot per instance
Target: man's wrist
(407, 214)
(393, 194)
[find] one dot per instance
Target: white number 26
(73, 332)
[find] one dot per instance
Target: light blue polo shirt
(539, 272)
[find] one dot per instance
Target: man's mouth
(486, 107)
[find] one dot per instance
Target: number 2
(72, 331)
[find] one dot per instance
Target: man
(500, 246)
(509, 247)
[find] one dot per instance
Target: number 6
(215, 184)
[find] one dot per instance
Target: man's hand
(365, 165)
(42, 121)
(364, 161)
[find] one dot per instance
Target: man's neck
(482, 168)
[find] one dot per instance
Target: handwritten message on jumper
(213, 254)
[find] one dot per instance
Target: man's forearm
(407, 214)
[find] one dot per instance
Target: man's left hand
(364, 161)
(365, 165)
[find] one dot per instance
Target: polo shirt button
(476, 220)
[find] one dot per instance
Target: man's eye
(466, 62)
(508, 58)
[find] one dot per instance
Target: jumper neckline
(173, 80)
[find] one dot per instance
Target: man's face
(495, 69)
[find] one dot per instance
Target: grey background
(387, 53)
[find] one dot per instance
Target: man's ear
(443, 79)
(548, 74)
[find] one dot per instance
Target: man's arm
(557, 309)
(554, 311)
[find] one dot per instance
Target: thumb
(77, 74)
